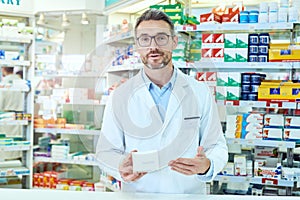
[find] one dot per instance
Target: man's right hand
(126, 169)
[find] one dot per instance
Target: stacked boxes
(210, 79)
(273, 125)
(241, 47)
(291, 130)
(259, 47)
(213, 47)
(252, 126)
(250, 84)
(228, 86)
(175, 12)
(234, 126)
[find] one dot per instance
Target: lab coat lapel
(176, 98)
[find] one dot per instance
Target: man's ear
(175, 42)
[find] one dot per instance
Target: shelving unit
(24, 43)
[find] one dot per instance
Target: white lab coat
(11, 101)
(208, 134)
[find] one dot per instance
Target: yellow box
(284, 53)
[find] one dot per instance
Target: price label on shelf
(229, 103)
(274, 105)
(225, 179)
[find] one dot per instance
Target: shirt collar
(170, 84)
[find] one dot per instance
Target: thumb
(200, 152)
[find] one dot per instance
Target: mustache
(155, 52)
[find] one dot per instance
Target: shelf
(255, 180)
(131, 67)
(260, 104)
(201, 65)
(14, 122)
(67, 131)
(124, 38)
(15, 89)
(25, 63)
(75, 162)
(14, 171)
(235, 27)
(15, 148)
(260, 142)
(20, 39)
(71, 75)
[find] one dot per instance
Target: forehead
(153, 27)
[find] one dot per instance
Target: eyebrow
(154, 35)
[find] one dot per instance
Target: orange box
(210, 18)
(230, 18)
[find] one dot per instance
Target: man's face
(155, 43)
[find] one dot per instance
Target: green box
(196, 44)
(234, 79)
(233, 93)
(222, 78)
(229, 55)
(195, 56)
(230, 41)
(241, 55)
(173, 8)
(242, 40)
(221, 93)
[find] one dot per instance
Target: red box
(218, 38)
(207, 38)
(211, 76)
(46, 179)
(231, 18)
(201, 76)
(210, 17)
(36, 180)
(218, 53)
(207, 52)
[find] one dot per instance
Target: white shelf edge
(260, 142)
(19, 39)
(14, 171)
(258, 104)
(67, 131)
(15, 148)
(236, 27)
(15, 62)
(80, 75)
(253, 180)
(76, 162)
(14, 122)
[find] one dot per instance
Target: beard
(166, 60)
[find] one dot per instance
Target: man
(10, 101)
(164, 117)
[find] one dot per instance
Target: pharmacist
(10, 101)
(161, 131)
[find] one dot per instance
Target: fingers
(200, 152)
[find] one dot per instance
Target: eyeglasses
(160, 39)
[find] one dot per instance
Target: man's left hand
(200, 164)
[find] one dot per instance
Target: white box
(240, 165)
(272, 133)
(273, 120)
(145, 161)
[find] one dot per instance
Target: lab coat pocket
(191, 122)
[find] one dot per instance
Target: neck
(160, 76)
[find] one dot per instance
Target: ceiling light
(65, 21)
(84, 19)
(41, 20)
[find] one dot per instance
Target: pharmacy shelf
(18, 39)
(67, 131)
(260, 104)
(124, 38)
(260, 142)
(233, 66)
(25, 63)
(70, 75)
(131, 67)
(14, 171)
(255, 180)
(14, 122)
(63, 161)
(205, 27)
(15, 148)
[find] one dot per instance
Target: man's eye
(144, 39)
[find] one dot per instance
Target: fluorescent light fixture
(84, 19)
(41, 20)
(65, 20)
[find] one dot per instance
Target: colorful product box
(211, 76)
(222, 78)
(210, 18)
(233, 93)
(271, 120)
(218, 54)
(292, 121)
(229, 55)
(257, 134)
(201, 76)
(221, 93)
(230, 40)
(232, 18)
(291, 134)
(234, 79)
(206, 53)
(260, 170)
(241, 55)
(272, 133)
(228, 169)
(253, 118)
(240, 166)
(284, 55)
(242, 40)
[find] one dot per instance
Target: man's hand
(126, 169)
(200, 164)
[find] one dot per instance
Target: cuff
(208, 175)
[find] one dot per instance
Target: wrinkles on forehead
(152, 31)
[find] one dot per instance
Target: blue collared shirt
(161, 96)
